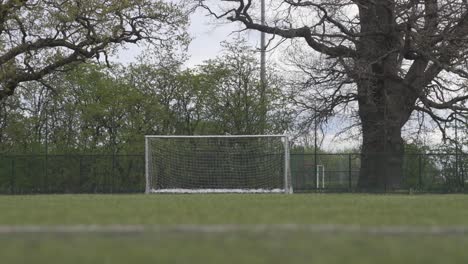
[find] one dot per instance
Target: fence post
(383, 157)
(12, 183)
(420, 171)
(46, 175)
(463, 172)
(80, 180)
(113, 173)
(349, 172)
(457, 175)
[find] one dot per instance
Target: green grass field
(163, 242)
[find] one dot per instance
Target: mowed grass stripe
(234, 247)
(235, 209)
(226, 229)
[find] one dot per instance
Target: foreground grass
(366, 210)
(268, 246)
(235, 248)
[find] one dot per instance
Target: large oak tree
(39, 37)
(392, 57)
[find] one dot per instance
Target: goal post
(218, 164)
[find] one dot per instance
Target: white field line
(220, 229)
(218, 191)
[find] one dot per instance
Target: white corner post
(317, 180)
(147, 166)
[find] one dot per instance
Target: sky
(207, 35)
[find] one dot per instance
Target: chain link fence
(36, 174)
(24, 174)
(340, 172)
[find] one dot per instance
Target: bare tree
(394, 58)
(38, 37)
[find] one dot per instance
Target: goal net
(217, 164)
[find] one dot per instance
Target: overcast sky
(207, 35)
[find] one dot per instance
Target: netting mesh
(216, 164)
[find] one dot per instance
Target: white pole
(319, 168)
(323, 177)
(287, 182)
(147, 172)
(317, 177)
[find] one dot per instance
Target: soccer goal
(217, 164)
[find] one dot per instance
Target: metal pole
(262, 47)
(323, 176)
(315, 150)
(12, 175)
(80, 176)
(456, 148)
(420, 171)
(147, 167)
(349, 171)
(287, 170)
(462, 167)
(113, 173)
(47, 131)
(46, 184)
(317, 180)
(263, 81)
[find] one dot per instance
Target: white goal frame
(287, 170)
(320, 167)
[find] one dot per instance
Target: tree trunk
(385, 101)
(382, 157)
(384, 107)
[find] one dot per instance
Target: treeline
(93, 109)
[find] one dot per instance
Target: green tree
(419, 166)
(12, 126)
(95, 109)
(39, 37)
(172, 97)
(238, 103)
